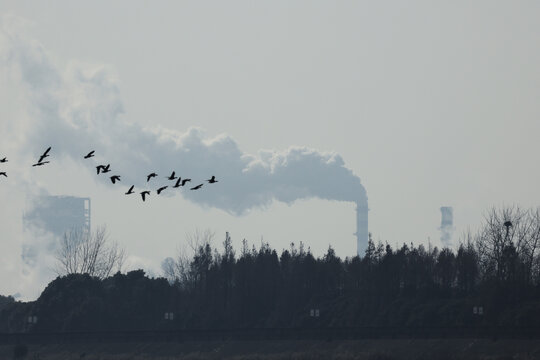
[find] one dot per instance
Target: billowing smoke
(81, 110)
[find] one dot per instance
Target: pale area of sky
(430, 103)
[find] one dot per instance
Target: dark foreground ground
(395, 349)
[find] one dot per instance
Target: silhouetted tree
(91, 253)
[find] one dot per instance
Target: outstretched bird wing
(45, 154)
(41, 163)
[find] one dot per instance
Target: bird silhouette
(115, 178)
(161, 189)
(185, 181)
(90, 154)
(178, 182)
(103, 168)
(197, 187)
(41, 163)
(44, 155)
(143, 194)
(172, 177)
(3, 160)
(3, 173)
(130, 191)
(212, 180)
(150, 176)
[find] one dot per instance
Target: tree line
(496, 269)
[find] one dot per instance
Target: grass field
(295, 350)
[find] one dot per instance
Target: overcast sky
(428, 103)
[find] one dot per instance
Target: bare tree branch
(89, 253)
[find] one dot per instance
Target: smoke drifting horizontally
(80, 110)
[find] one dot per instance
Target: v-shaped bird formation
(103, 169)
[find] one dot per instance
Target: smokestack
(362, 233)
(447, 225)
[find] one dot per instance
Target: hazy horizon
(423, 105)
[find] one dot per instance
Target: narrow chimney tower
(447, 225)
(362, 233)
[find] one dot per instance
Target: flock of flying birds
(103, 169)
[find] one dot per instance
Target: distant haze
(291, 105)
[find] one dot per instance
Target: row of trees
(505, 249)
(497, 268)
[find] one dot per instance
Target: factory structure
(362, 234)
(58, 214)
(447, 225)
(52, 215)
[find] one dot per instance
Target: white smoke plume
(81, 110)
(77, 108)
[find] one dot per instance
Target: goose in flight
(103, 168)
(44, 155)
(3, 173)
(130, 191)
(177, 182)
(212, 180)
(172, 177)
(143, 194)
(197, 187)
(185, 181)
(161, 189)
(115, 178)
(90, 154)
(3, 160)
(40, 163)
(150, 176)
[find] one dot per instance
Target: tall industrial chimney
(362, 233)
(447, 225)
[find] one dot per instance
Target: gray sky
(428, 103)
